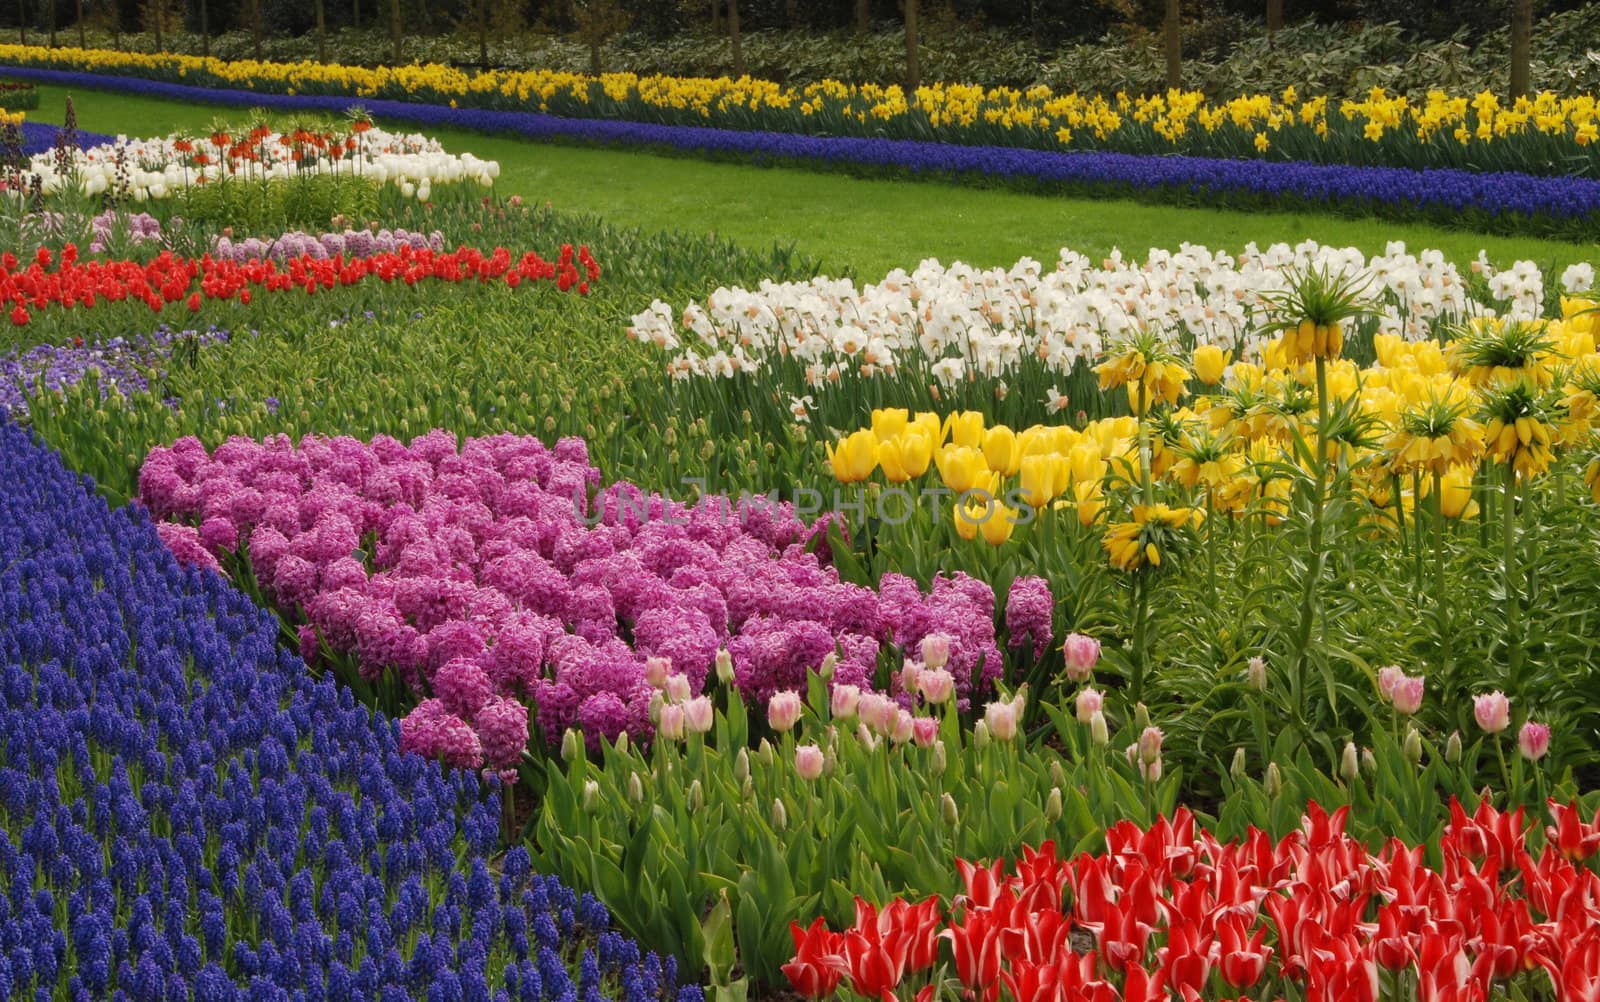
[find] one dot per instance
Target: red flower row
(1173, 913)
(69, 283)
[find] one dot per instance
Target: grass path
(869, 225)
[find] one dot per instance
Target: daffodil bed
(773, 605)
(1486, 192)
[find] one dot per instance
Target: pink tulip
(1534, 740)
(671, 724)
(937, 685)
(935, 650)
(656, 671)
(808, 761)
(677, 688)
(905, 727)
(1388, 678)
(1082, 653)
(1150, 745)
(1001, 718)
(697, 715)
(844, 700)
(783, 711)
(925, 730)
(1407, 694)
(911, 677)
(1493, 711)
(1090, 702)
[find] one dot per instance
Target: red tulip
(1244, 958)
(819, 963)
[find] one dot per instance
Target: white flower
(1578, 277)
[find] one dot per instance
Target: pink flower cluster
(495, 572)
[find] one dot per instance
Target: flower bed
(1173, 911)
(186, 812)
(1449, 196)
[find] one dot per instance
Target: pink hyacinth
(462, 686)
(502, 731)
(1030, 611)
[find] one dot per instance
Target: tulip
(1452, 748)
(1407, 694)
(904, 457)
(962, 468)
(1413, 746)
(935, 650)
(1209, 361)
(964, 428)
(591, 796)
(1150, 745)
(1273, 784)
(1000, 450)
(925, 731)
(1492, 711)
(997, 528)
(780, 815)
(1388, 678)
(1043, 478)
(1349, 763)
(671, 726)
(947, 806)
(937, 685)
(890, 422)
(843, 701)
(829, 663)
(656, 671)
(904, 727)
(635, 789)
(1099, 732)
(697, 715)
(808, 761)
(1236, 768)
(1533, 740)
(1090, 702)
(677, 688)
(1082, 653)
(725, 673)
(1255, 673)
(855, 457)
(783, 711)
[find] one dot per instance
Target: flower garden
(415, 591)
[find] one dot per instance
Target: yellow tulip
(964, 428)
(1090, 500)
(962, 467)
(1209, 361)
(1000, 450)
(1044, 477)
(855, 457)
(967, 518)
(890, 422)
(904, 457)
(929, 425)
(998, 526)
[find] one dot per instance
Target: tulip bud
(1058, 775)
(1099, 733)
(657, 701)
(1349, 763)
(935, 650)
(695, 799)
(780, 817)
(570, 744)
(947, 805)
(656, 671)
(724, 667)
(1413, 746)
(830, 759)
(635, 789)
(980, 735)
(677, 688)
(1256, 673)
(1141, 717)
(1237, 768)
(748, 789)
(591, 796)
(939, 761)
(1452, 748)
(622, 743)
(1369, 763)
(829, 663)
(765, 753)
(1052, 806)
(1274, 782)
(741, 766)
(869, 741)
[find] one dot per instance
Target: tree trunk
(322, 34)
(913, 70)
(82, 42)
(255, 28)
(863, 16)
(791, 13)
(116, 27)
(51, 9)
(396, 36)
(22, 20)
(1274, 15)
(158, 14)
(733, 35)
(483, 34)
(716, 16)
(1174, 46)
(205, 30)
(596, 65)
(1521, 33)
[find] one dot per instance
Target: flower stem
(1308, 597)
(1440, 606)
(1508, 560)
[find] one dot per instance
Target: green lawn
(870, 225)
